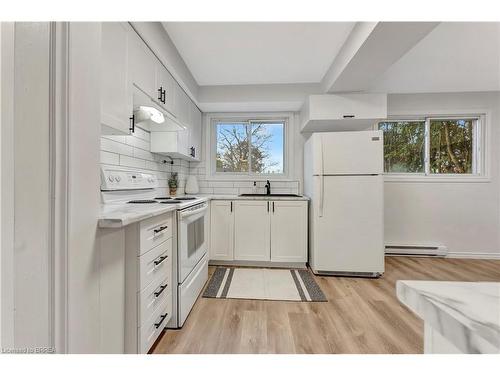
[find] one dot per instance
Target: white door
(195, 130)
(181, 105)
(221, 230)
(348, 153)
(252, 234)
(116, 96)
(142, 64)
(165, 86)
(348, 224)
(289, 231)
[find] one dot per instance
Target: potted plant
(172, 183)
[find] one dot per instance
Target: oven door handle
(187, 213)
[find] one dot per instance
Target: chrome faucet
(268, 187)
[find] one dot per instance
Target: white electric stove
(131, 191)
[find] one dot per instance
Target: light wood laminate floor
(362, 315)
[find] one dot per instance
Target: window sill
(435, 179)
(244, 177)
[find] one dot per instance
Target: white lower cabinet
(289, 231)
(148, 281)
(258, 230)
(222, 230)
(252, 232)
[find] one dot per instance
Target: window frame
(287, 120)
(480, 163)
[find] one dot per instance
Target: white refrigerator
(343, 177)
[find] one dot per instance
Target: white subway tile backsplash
(133, 151)
(142, 154)
(128, 161)
(138, 143)
(116, 147)
(224, 190)
(110, 158)
(221, 184)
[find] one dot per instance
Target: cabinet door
(289, 231)
(142, 64)
(116, 96)
(166, 83)
(195, 130)
(221, 230)
(252, 230)
(181, 105)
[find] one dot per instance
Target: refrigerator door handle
(321, 179)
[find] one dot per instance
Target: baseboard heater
(416, 250)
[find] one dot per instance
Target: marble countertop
(117, 216)
(465, 313)
(235, 197)
(121, 215)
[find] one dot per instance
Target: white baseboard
(471, 255)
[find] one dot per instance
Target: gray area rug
(264, 284)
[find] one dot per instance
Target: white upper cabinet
(182, 102)
(342, 112)
(195, 131)
(141, 77)
(252, 232)
(288, 231)
(142, 64)
(116, 94)
(165, 88)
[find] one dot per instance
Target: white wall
(464, 216)
(83, 290)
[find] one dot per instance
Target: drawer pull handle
(161, 320)
(348, 116)
(160, 260)
(160, 229)
(162, 288)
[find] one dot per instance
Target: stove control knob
(111, 178)
(118, 178)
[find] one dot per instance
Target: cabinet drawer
(152, 297)
(154, 231)
(149, 332)
(156, 264)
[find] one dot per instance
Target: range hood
(342, 112)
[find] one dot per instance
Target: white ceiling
(454, 57)
(238, 53)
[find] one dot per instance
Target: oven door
(192, 238)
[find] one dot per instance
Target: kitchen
(208, 201)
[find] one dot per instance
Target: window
(432, 146)
(249, 147)
(404, 146)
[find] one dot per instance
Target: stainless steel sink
(270, 195)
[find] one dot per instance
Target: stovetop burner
(185, 198)
(142, 201)
(164, 198)
(174, 201)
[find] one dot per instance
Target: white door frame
(58, 142)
